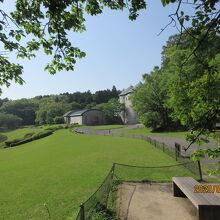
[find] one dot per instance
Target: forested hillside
(49, 109)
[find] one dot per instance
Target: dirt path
(137, 201)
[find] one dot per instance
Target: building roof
(130, 89)
(74, 113)
(138, 85)
(69, 112)
(127, 91)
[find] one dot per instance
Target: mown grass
(21, 132)
(62, 170)
(148, 132)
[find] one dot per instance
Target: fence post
(177, 150)
(163, 147)
(113, 170)
(82, 212)
(200, 171)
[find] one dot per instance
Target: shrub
(55, 128)
(42, 135)
(17, 142)
(9, 143)
(28, 135)
(9, 121)
(75, 125)
(58, 120)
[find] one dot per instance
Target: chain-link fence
(99, 201)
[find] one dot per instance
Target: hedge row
(17, 142)
(54, 128)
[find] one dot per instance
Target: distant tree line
(49, 109)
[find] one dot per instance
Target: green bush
(17, 142)
(28, 135)
(58, 120)
(55, 128)
(9, 143)
(74, 125)
(9, 121)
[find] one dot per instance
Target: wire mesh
(152, 174)
(98, 200)
(121, 172)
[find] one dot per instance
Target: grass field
(19, 133)
(62, 170)
(147, 131)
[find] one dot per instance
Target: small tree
(10, 121)
(111, 109)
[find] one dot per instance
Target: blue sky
(118, 52)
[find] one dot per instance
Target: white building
(128, 115)
(84, 117)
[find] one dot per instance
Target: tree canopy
(47, 24)
(192, 57)
(188, 96)
(112, 110)
(49, 109)
(150, 101)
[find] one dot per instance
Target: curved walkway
(167, 140)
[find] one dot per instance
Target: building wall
(93, 117)
(76, 120)
(67, 120)
(128, 116)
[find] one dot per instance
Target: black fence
(118, 173)
(178, 155)
(174, 151)
(122, 172)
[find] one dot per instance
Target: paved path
(168, 141)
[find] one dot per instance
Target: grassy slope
(19, 133)
(147, 131)
(62, 170)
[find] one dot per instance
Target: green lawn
(62, 170)
(147, 131)
(19, 133)
(105, 127)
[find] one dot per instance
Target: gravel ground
(138, 201)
